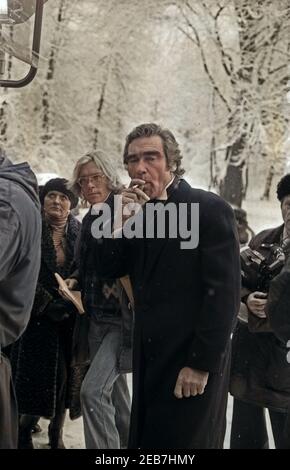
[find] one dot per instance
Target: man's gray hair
(103, 163)
(170, 145)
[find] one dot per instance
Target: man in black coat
(186, 289)
(20, 235)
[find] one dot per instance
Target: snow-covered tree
(212, 71)
(244, 48)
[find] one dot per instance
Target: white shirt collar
(164, 195)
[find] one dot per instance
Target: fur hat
(60, 185)
(283, 187)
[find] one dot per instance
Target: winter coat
(20, 234)
(278, 305)
(185, 304)
(260, 373)
(91, 285)
(49, 347)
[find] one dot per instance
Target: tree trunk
(4, 105)
(268, 184)
(231, 186)
(46, 117)
(99, 114)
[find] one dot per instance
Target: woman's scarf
(58, 231)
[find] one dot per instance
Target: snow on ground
(261, 215)
(74, 436)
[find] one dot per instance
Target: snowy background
(216, 72)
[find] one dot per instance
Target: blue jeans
(105, 397)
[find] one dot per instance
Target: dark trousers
(249, 429)
(55, 428)
(8, 407)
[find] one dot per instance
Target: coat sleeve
(221, 279)
(111, 257)
(9, 239)
(10, 247)
(111, 254)
(278, 305)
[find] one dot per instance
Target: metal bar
(35, 50)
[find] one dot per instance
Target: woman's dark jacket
(260, 373)
(119, 310)
(48, 347)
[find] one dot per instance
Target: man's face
(93, 183)
(147, 161)
(285, 208)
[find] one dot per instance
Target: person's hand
(133, 195)
(190, 382)
(58, 310)
(71, 284)
(256, 302)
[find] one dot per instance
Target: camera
(258, 270)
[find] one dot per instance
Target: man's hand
(135, 192)
(256, 303)
(133, 195)
(190, 382)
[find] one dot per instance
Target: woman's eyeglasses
(85, 180)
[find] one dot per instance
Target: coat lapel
(154, 247)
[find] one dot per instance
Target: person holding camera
(42, 359)
(279, 301)
(260, 373)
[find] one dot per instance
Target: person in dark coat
(45, 368)
(278, 305)
(260, 376)
(20, 234)
(186, 294)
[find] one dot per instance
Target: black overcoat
(47, 347)
(186, 301)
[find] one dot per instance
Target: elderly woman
(105, 397)
(42, 358)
